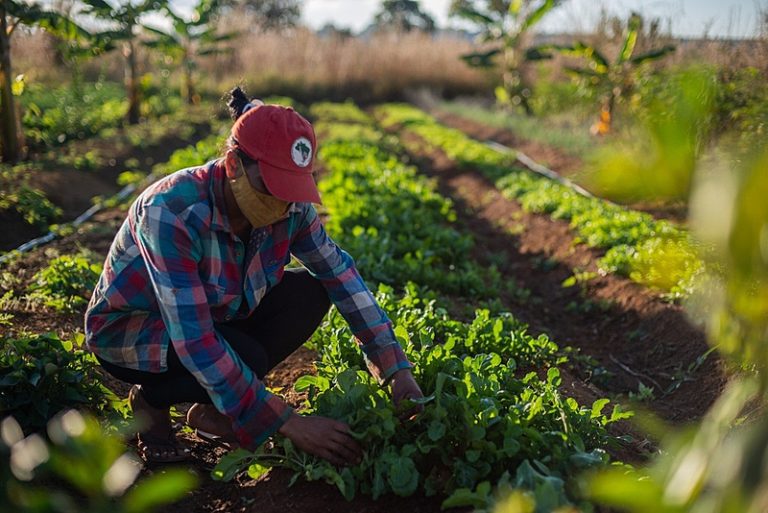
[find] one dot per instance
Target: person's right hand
(323, 437)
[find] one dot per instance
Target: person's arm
(336, 270)
(172, 252)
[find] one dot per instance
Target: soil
(56, 182)
(556, 159)
(633, 336)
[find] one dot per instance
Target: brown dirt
(628, 329)
(72, 189)
(556, 159)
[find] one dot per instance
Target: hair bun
(238, 102)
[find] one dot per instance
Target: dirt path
(630, 331)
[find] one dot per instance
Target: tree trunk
(189, 84)
(131, 83)
(8, 134)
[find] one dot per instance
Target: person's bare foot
(156, 441)
(211, 425)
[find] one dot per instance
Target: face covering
(260, 209)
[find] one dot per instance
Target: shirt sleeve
(336, 270)
(172, 251)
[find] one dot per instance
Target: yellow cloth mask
(260, 209)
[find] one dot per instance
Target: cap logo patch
(301, 152)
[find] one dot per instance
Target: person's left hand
(405, 387)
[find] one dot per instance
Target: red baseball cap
(284, 144)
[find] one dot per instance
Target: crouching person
(195, 303)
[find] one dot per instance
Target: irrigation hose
(534, 166)
(85, 216)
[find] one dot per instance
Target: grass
(566, 131)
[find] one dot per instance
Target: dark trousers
(286, 317)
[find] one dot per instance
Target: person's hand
(405, 387)
(323, 437)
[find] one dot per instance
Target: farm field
(573, 260)
(467, 246)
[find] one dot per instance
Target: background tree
(504, 24)
(610, 80)
(127, 18)
(14, 13)
(403, 16)
(272, 14)
(191, 40)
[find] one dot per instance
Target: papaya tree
(14, 13)
(125, 17)
(503, 25)
(190, 40)
(610, 80)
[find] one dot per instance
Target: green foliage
(558, 114)
(660, 162)
(637, 245)
(130, 178)
(485, 416)
(30, 203)
(80, 468)
(719, 463)
(40, 375)
(339, 112)
(489, 415)
(197, 154)
(611, 81)
(190, 40)
(66, 283)
(389, 218)
(504, 24)
(741, 106)
(715, 466)
(283, 100)
(53, 116)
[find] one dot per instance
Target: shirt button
(228, 317)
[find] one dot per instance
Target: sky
(687, 18)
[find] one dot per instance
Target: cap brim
(289, 185)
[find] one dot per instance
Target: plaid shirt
(175, 267)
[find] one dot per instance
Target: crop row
(652, 252)
(494, 414)
(18, 197)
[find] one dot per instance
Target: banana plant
(14, 13)
(504, 24)
(611, 80)
(190, 40)
(126, 17)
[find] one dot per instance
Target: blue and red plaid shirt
(176, 267)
